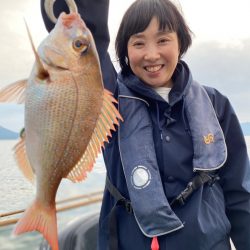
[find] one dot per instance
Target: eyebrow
(164, 32)
(137, 35)
(159, 33)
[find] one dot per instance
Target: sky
(219, 56)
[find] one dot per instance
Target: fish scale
(51, 106)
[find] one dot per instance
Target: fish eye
(80, 45)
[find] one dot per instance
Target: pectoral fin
(14, 92)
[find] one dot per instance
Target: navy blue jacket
(213, 213)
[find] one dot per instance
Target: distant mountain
(246, 128)
(6, 134)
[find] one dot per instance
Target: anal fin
(22, 160)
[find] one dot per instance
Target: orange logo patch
(208, 138)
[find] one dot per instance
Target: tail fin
(40, 218)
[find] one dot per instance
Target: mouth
(153, 68)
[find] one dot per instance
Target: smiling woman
(147, 47)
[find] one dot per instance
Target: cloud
(225, 67)
(16, 56)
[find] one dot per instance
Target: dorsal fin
(22, 160)
(108, 117)
(41, 71)
(14, 92)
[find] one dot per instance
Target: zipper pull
(155, 244)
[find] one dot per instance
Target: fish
(69, 116)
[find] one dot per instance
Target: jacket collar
(182, 79)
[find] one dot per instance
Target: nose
(151, 53)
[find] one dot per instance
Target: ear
(126, 60)
(179, 51)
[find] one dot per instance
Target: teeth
(153, 68)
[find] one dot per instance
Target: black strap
(120, 200)
(199, 180)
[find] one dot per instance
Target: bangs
(142, 14)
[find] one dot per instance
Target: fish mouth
(48, 6)
(153, 68)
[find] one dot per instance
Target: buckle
(213, 180)
(128, 206)
(181, 200)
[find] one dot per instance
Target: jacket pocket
(214, 205)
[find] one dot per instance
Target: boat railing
(61, 205)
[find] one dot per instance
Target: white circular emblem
(140, 177)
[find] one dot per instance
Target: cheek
(172, 52)
(176, 50)
(133, 57)
(131, 60)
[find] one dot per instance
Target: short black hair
(137, 18)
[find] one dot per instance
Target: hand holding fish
(48, 5)
(68, 117)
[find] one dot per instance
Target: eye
(80, 45)
(138, 44)
(163, 41)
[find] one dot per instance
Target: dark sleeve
(235, 174)
(95, 15)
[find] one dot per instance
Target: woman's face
(153, 55)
